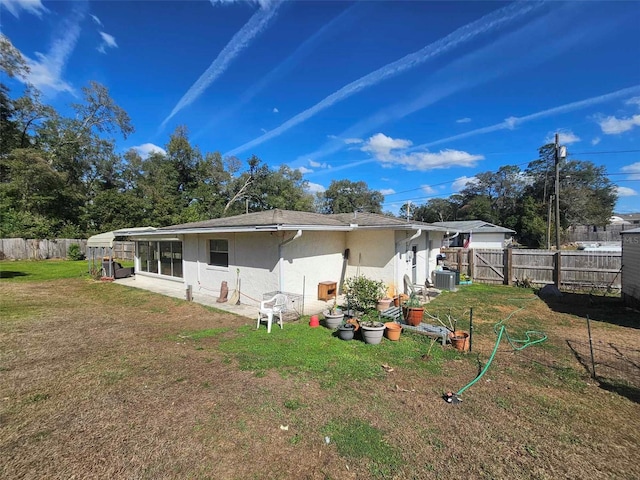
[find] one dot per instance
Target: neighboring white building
(287, 251)
(631, 267)
(476, 234)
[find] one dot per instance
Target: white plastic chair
(276, 305)
(411, 288)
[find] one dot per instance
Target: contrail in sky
(512, 122)
(256, 24)
(454, 39)
(284, 67)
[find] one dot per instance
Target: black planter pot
(346, 331)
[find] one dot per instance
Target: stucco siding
(371, 253)
(631, 267)
(255, 255)
(487, 240)
(312, 258)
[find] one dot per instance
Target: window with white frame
(164, 257)
(219, 252)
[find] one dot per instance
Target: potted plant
(413, 310)
(363, 293)
(371, 328)
(393, 331)
(346, 331)
(333, 316)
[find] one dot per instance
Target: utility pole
(549, 202)
(408, 211)
(560, 153)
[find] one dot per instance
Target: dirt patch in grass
(103, 381)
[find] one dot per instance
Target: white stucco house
(631, 267)
(285, 251)
(475, 234)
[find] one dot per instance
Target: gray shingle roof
(277, 218)
(466, 226)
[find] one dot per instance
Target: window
(161, 257)
(219, 253)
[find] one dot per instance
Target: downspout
(286, 242)
(450, 238)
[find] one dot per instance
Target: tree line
(522, 199)
(62, 176)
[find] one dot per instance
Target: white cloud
(47, 69)
(595, 141)
(264, 130)
(384, 149)
(108, 41)
(147, 148)
(565, 137)
(633, 170)
(633, 101)
(96, 20)
(613, 125)
(304, 170)
(626, 192)
(380, 146)
(318, 164)
(315, 188)
(429, 190)
(33, 7)
(463, 120)
(353, 141)
(387, 191)
(275, 110)
(239, 42)
(462, 35)
(461, 182)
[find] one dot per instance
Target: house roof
(277, 219)
(105, 240)
(631, 230)
(475, 226)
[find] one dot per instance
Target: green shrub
(74, 252)
(363, 293)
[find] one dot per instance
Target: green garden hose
(532, 337)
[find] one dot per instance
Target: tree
(587, 197)
(345, 196)
(436, 210)
(11, 60)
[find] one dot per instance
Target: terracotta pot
(400, 299)
(413, 315)
(460, 340)
(393, 331)
(355, 323)
(383, 304)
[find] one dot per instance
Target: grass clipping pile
(101, 381)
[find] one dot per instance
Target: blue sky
(414, 98)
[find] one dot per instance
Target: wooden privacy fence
(568, 269)
(28, 249)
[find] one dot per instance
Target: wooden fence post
(558, 268)
(508, 266)
(471, 259)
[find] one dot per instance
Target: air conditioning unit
(445, 280)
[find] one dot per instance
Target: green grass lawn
(101, 380)
(41, 270)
